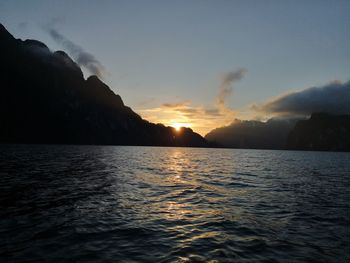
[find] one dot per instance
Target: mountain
(322, 132)
(271, 134)
(44, 98)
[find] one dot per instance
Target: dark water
(144, 204)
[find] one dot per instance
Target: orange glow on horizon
(191, 116)
(178, 125)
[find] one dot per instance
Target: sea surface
(154, 204)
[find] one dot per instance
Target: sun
(177, 126)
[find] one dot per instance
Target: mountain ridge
(45, 99)
(253, 134)
(321, 132)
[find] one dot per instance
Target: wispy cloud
(332, 98)
(226, 85)
(83, 58)
(199, 117)
(177, 104)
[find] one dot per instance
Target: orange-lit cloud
(200, 118)
(177, 104)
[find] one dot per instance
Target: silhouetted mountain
(322, 132)
(45, 99)
(253, 134)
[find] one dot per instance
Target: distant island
(46, 100)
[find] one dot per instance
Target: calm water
(132, 204)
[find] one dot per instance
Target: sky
(199, 63)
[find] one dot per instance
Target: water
(132, 204)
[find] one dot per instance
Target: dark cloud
(331, 98)
(83, 58)
(225, 88)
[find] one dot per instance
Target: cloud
(332, 98)
(225, 88)
(177, 104)
(213, 112)
(83, 58)
(202, 118)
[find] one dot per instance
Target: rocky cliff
(45, 99)
(322, 132)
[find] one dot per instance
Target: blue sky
(160, 52)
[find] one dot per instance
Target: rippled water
(131, 204)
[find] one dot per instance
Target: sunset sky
(203, 63)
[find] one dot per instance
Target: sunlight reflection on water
(173, 204)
